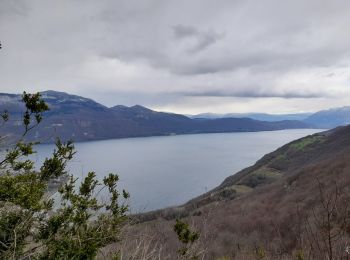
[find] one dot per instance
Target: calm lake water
(165, 171)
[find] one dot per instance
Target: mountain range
(330, 118)
(256, 116)
(82, 119)
(322, 119)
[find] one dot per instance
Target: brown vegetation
(303, 214)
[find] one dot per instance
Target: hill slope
(265, 204)
(82, 119)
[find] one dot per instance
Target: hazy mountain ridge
(330, 118)
(82, 119)
(256, 116)
(326, 119)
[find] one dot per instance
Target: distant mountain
(256, 116)
(323, 119)
(330, 118)
(82, 119)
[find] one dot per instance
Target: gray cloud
(182, 31)
(254, 94)
(202, 39)
(9, 8)
(157, 49)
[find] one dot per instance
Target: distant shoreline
(172, 135)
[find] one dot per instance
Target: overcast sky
(186, 56)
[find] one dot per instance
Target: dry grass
(262, 224)
(279, 220)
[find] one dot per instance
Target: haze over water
(165, 171)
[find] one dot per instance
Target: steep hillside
(269, 204)
(82, 119)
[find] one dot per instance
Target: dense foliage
(187, 237)
(30, 226)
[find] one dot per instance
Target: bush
(29, 226)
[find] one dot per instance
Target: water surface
(165, 171)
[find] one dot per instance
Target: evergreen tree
(29, 225)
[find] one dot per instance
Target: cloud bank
(183, 56)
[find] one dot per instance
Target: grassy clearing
(305, 142)
(241, 188)
(262, 175)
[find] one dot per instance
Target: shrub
(29, 226)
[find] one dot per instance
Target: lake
(169, 170)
